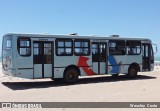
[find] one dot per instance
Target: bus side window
(24, 46)
(81, 47)
(133, 47)
(64, 47)
(117, 47)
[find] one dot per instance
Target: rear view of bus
(7, 59)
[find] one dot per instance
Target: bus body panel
(71, 60)
(116, 64)
(22, 64)
(60, 65)
(48, 69)
(95, 67)
(131, 59)
(24, 73)
(37, 71)
(58, 72)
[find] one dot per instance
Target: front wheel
(132, 72)
(70, 76)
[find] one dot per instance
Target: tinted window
(99, 52)
(7, 42)
(64, 47)
(24, 46)
(102, 51)
(42, 52)
(133, 47)
(95, 52)
(117, 47)
(81, 47)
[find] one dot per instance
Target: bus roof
(77, 36)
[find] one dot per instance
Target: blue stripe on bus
(116, 68)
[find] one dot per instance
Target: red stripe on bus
(83, 62)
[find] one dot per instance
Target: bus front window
(7, 42)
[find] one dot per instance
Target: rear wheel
(70, 76)
(132, 72)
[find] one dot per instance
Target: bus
(67, 57)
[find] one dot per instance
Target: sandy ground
(145, 88)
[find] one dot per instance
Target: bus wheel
(70, 76)
(132, 72)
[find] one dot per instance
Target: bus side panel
(134, 59)
(37, 71)
(48, 69)
(23, 64)
(85, 66)
(84, 72)
(25, 73)
(58, 72)
(116, 64)
(62, 62)
(120, 64)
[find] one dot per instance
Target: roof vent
(114, 36)
(74, 34)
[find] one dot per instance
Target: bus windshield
(7, 40)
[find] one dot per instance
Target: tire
(71, 76)
(132, 72)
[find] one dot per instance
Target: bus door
(146, 56)
(99, 57)
(43, 59)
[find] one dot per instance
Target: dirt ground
(144, 88)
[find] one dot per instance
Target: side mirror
(155, 49)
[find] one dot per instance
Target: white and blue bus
(36, 56)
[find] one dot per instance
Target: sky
(127, 18)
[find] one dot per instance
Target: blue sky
(127, 18)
